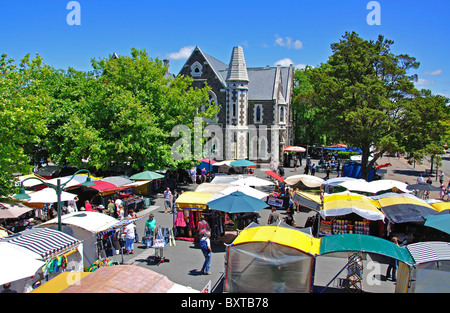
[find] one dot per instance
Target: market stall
(43, 253)
(405, 214)
(270, 259)
(356, 245)
(240, 210)
(430, 272)
(99, 232)
(190, 207)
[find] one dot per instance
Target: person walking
(167, 200)
(392, 267)
(441, 177)
(273, 216)
(130, 233)
(111, 208)
(205, 245)
(148, 230)
(313, 169)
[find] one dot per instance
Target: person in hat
(149, 228)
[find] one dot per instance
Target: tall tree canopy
(23, 100)
(123, 115)
(367, 96)
(119, 115)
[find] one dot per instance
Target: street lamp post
(58, 189)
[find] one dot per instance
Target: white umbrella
(17, 263)
(252, 181)
(249, 191)
(308, 180)
(48, 195)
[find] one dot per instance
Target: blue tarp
(357, 150)
(354, 170)
(205, 165)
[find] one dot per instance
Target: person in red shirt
(87, 206)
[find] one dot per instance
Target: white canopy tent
(48, 195)
(251, 181)
(308, 180)
(84, 226)
(17, 263)
(249, 191)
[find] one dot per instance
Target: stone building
(254, 121)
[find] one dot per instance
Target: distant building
(254, 121)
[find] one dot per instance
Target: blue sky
(271, 32)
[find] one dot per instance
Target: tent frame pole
(345, 266)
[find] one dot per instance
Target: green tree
(362, 91)
(22, 111)
(121, 114)
(426, 128)
(308, 123)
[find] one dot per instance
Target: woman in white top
(121, 212)
(129, 237)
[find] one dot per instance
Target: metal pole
(58, 195)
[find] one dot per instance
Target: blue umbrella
(237, 202)
(243, 163)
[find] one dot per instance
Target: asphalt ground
(185, 259)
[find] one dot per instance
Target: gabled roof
(262, 80)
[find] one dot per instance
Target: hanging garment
(180, 220)
(191, 220)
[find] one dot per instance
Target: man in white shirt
(167, 200)
(205, 245)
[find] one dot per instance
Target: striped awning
(429, 251)
(44, 241)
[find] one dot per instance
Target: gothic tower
(236, 129)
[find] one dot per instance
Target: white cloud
(422, 82)
(182, 54)
(434, 73)
(288, 42)
(288, 61)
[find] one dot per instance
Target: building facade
(255, 120)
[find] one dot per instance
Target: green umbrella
(146, 175)
(439, 221)
(243, 163)
(237, 202)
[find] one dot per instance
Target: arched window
(196, 69)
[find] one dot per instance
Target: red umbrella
(207, 161)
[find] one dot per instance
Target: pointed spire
(237, 70)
